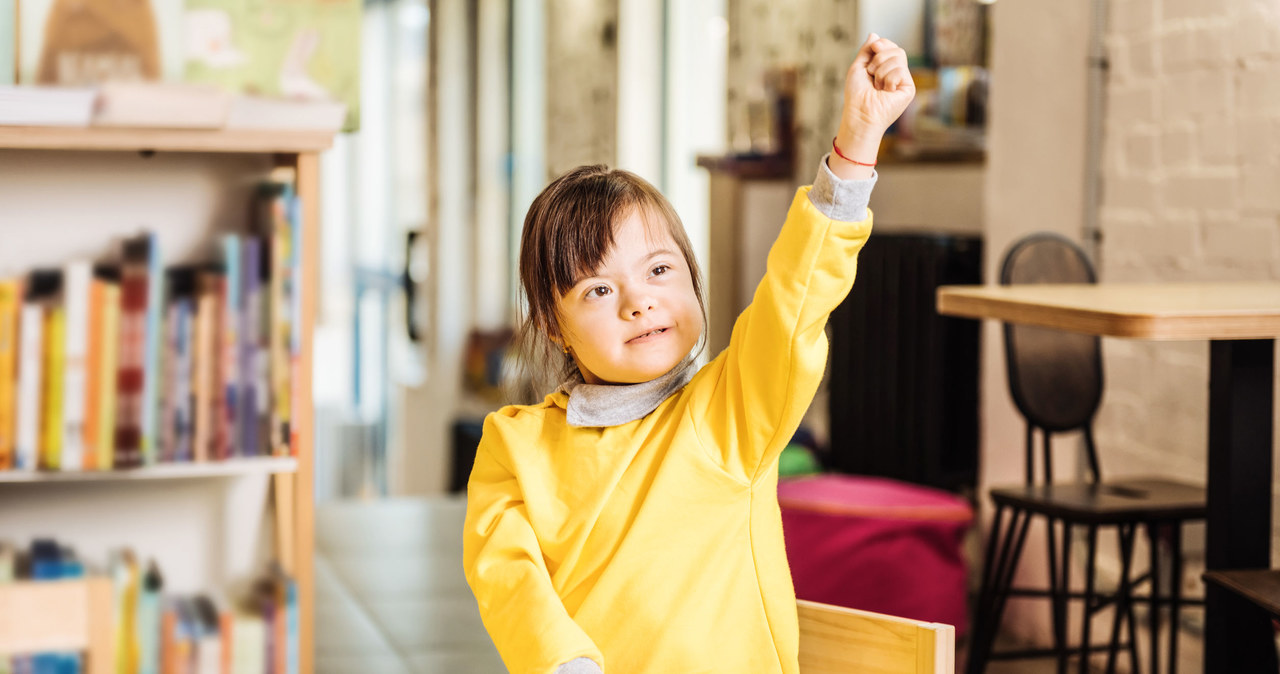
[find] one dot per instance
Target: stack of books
(155, 632)
(126, 363)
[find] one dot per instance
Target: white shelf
(168, 471)
(163, 140)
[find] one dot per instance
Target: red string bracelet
(841, 155)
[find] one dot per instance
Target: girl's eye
(599, 291)
(661, 269)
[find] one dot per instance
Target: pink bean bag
(877, 544)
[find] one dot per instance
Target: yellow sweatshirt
(656, 546)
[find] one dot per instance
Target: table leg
(1238, 634)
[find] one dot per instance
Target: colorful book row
(122, 365)
(156, 633)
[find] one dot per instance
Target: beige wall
(1035, 181)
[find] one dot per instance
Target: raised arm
(751, 398)
(504, 565)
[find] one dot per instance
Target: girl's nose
(637, 306)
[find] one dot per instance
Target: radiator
(903, 384)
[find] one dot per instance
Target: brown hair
(568, 232)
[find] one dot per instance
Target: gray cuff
(580, 666)
(844, 200)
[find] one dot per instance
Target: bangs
(582, 230)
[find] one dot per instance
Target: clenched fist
(877, 88)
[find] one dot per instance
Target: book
(10, 310)
(259, 112)
(101, 437)
(53, 349)
(207, 372)
(231, 314)
(299, 50)
(136, 291)
(248, 331)
(248, 643)
(46, 106)
(151, 373)
(77, 278)
(30, 381)
(274, 224)
(176, 423)
(87, 42)
(168, 105)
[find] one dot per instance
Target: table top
(1159, 311)
(1260, 586)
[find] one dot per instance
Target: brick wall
(1191, 191)
(582, 84)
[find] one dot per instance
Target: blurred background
(1146, 130)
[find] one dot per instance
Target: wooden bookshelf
(291, 480)
(163, 140)
(166, 471)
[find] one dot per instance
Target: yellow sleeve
(504, 565)
(754, 394)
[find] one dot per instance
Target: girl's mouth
(647, 336)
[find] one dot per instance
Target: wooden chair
(59, 615)
(837, 640)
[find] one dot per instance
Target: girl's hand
(877, 88)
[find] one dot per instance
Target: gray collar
(595, 405)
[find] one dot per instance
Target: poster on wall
(87, 42)
(295, 49)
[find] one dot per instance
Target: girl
(630, 522)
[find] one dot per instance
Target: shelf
(167, 471)
(1260, 586)
(163, 140)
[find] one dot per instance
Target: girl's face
(638, 316)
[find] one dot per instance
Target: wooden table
(1241, 321)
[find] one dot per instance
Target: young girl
(630, 522)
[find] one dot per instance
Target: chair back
(838, 640)
(1055, 377)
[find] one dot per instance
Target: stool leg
(1175, 594)
(1129, 602)
(1066, 589)
(1056, 596)
(1016, 536)
(1153, 618)
(1124, 533)
(1088, 597)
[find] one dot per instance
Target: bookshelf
(166, 471)
(38, 165)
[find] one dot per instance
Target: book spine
(10, 310)
(108, 364)
(93, 375)
(132, 358)
(262, 352)
(30, 382)
(205, 367)
(247, 414)
(54, 381)
(232, 310)
(182, 394)
(167, 439)
(78, 277)
(279, 338)
(151, 374)
(299, 397)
